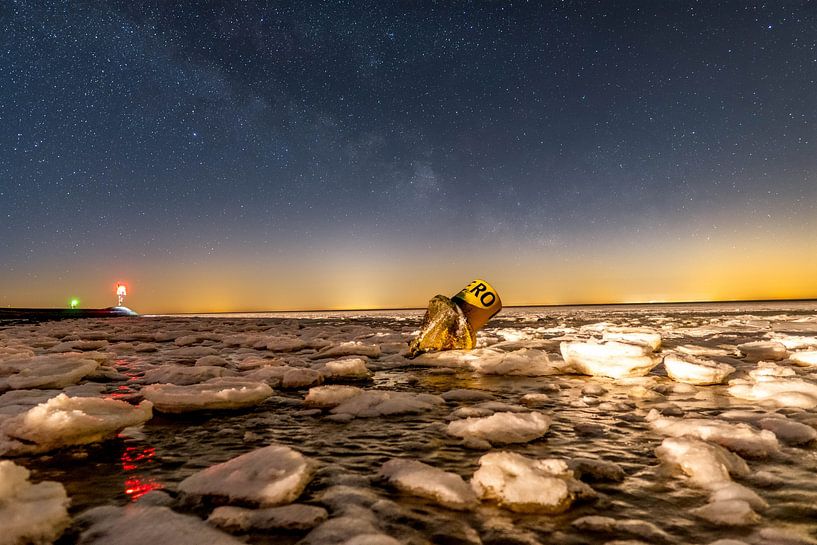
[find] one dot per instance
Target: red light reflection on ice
(133, 459)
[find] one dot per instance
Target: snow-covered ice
(138, 525)
(527, 485)
(269, 476)
(30, 513)
(502, 427)
(415, 477)
(737, 437)
(214, 394)
(609, 359)
(66, 421)
(694, 370)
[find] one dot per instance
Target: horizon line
(547, 305)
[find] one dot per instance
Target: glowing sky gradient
(311, 155)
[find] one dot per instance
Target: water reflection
(136, 460)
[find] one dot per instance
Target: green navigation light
(74, 303)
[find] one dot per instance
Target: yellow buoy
(451, 324)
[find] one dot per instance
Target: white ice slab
(737, 437)
(30, 513)
(270, 476)
(527, 485)
(64, 421)
(502, 427)
(49, 371)
(707, 465)
(147, 525)
(611, 359)
(694, 370)
(419, 479)
(215, 394)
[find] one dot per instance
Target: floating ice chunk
(708, 466)
(794, 342)
(596, 470)
(182, 375)
(527, 485)
(727, 513)
(735, 491)
(212, 361)
(140, 524)
(296, 516)
(611, 359)
(84, 346)
(285, 344)
(763, 350)
(788, 431)
(534, 400)
(330, 396)
(781, 392)
(349, 348)
(352, 368)
(373, 403)
(345, 530)
(146, 347)
(65, 421)
(191, 353)
(423, 480)
(269, 476)
(50, 371)
(740, 438)
(694, 370)
(464, 394)
(640, 336)
(807, 358)
(300, 377)
(502, 427)
(767, 369)
(217, 393)
(526, 362)
(30, 513)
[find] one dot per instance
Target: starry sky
(222, 156)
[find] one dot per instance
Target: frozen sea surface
(315, 428)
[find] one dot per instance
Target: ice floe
(610, 359)
(374, 403)
(777, 391)
(708, 466)
(763, 350)
(295, 516)
(737, 437)
(502, 427)
(694, 370)
(806, 358)
(49, 371)
(351, 368)
(217, 393)
(140, 524)
(30, 513)
(269, 476)
(527, 485)
(66, 421)
(419, 479)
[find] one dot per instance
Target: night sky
(296, 155)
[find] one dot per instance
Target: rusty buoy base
(444, 327)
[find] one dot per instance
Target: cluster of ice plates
(671, 425)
